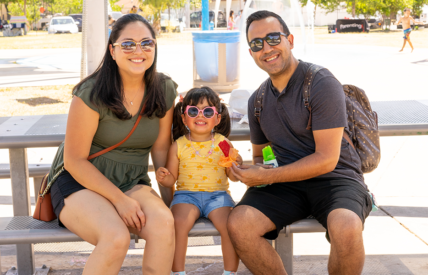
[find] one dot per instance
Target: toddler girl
(200, 123)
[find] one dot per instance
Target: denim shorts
(204, 201)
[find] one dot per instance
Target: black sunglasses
(272, 39)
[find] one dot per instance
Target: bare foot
(412, 50)
(400, 50)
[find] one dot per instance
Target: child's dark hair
(193, 97)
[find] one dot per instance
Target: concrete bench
(26, 230)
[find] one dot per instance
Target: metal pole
(205, 15)
(97, 30)
(21, 205)
(188, 14)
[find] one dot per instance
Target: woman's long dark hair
(193, 97)
(108, 88)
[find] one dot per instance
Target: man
(319, 172)
(405, 20)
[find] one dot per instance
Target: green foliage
(115, 7)
(64, 6)
(329, 5)
(417, 6)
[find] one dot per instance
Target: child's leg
(219, 218)
(185, 216)
(410, 43)
(404, 44)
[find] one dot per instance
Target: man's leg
(247, 226)
(347, 248)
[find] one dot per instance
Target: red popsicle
(225, 147)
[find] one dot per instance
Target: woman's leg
(185, 215)
(93, 218)
(158, 231)
(219, 218)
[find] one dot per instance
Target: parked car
(2, 24)
(375, 23)
(196, 18)
(78, 18)
(62, 24)
(173, 22)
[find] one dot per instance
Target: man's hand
(251, 175)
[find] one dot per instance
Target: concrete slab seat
(26, 230)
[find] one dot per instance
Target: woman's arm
(82, 124)
(160, 151)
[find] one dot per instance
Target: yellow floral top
(196, 173)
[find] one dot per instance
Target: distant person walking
(133, 9)
(231, 21)
(405, 20)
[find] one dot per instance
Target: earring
(188, 130)
(212, 131)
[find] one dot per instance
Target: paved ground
(396, 238)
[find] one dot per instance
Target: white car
(115, 14)
(62, 24)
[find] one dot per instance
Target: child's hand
(239, 160)
(161, 173)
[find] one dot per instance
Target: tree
(115, 7)
(417, 6)
(328, 5)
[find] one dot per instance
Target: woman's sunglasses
(129, 46)
(272, 39)
(207, 112)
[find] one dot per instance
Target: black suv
(79, 19)
(196, 18)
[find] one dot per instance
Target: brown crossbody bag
(44, 210)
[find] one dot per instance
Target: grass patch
(40, 100)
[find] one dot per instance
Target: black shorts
(285, 203)
(64, 186)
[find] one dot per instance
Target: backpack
(362, 134)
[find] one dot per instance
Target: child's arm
(238, 160)
(399, 21)
(411, 18)
(167, 176)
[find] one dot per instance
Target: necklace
(197, 151)
(133, 98)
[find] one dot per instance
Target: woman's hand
(130, 212)
(161, 173)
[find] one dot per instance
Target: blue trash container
(211, 48)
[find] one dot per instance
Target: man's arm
(322, 161)
(258, 153)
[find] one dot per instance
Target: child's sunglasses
(207, 112)
(272, 39)
(129, 46)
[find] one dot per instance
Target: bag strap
(258, 99)
(125, 139)
(307, 86)
(45, 191)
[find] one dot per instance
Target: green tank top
(126, 165)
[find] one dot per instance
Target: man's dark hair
(259, 15)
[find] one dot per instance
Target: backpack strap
(258, 99)
(307, 86)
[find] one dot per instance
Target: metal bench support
(284, 248)
(21, 205)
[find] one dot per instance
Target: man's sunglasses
(207, 112)
(272, 39)
(129, 46)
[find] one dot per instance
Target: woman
(104, 199)
(231, 21)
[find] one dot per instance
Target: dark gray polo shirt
(284, 119)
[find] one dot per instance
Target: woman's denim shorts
(204, 201)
